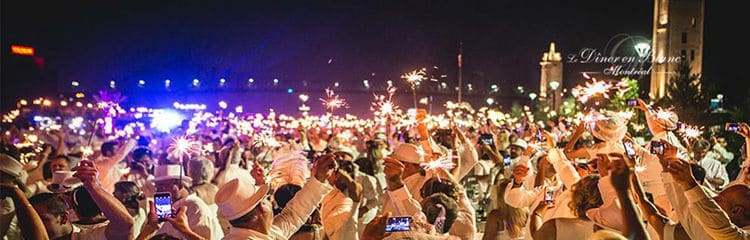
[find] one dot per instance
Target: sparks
(591, 118)
(664, 113)
(691, 132)
(383, 105)
(592, 89)
(444, 163)
(414, 77)
(182, 146)
(333, 101)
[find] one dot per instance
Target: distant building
(551, 77)
(678, 32)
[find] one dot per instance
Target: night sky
(321, 42)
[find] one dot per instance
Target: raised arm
(31, 225)
(621, 175)
(120, 222)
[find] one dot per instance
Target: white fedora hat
(409, 153)
(63, 181)
(170, 172)
(238, 197)
(10, 165)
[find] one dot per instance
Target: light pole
(554, 85)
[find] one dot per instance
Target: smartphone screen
(732, 127)
(487, 139)
(506, 160)
(163, 205)
(632, 102)
(657, 148)
(398, 224)
(629, 149)
(548, 197)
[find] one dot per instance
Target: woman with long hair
(505, 222)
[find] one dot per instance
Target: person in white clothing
(109, 164)
(339, 208)
(171, 179)
(251, 215)
(716, 174)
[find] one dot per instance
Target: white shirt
(714, 169)
(200, 219)
(712, 218)
(291, 217)
(339, 216)
(110, 171)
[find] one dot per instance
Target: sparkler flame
(591, 118)
(691, 132)
(414, 77)
(384, 106)
(333, 101)
(438, 164)
(182, 146)
(592, 89)
(664, 113)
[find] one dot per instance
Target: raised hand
(393, 170)
(87, 173)
(376, 228)
(324, 167)
(519, 173)
(682, 174)
(621, 172)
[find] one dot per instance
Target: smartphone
(398, 224)
(680, 125)
(548, 197)
(629, 149)
(487, 139)
(657, 148)
(506, 161)
(733, 127)
(539, 136)
(632, 102)
(163, 205)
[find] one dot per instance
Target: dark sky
(94, 42)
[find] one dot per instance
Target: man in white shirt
(716, 174)
(722, 217)
(53, 211)
(109, 163)
(250, 212)
(171, 179)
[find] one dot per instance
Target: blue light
(289, 90)
(165, 121)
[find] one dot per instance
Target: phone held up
(632, 102)
(163, 205)
(548, 197)
(487, 139)
(398, 224)
(732, 127)
(657, 148)
(506, 161)
(629, 149)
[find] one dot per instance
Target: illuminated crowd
(72, 169)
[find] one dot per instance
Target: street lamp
(554, 85)
(490, 101)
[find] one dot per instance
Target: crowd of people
(489, 180)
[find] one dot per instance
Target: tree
(687, 95)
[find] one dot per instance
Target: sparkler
(383, 106)
(182, 146)
(691, 132)
(591, 118)
(414, 78)
(444, 163)
(333, 102)
(592, 89)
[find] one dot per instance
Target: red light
(22, 50)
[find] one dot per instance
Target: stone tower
(678, 33)
(551, 82)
